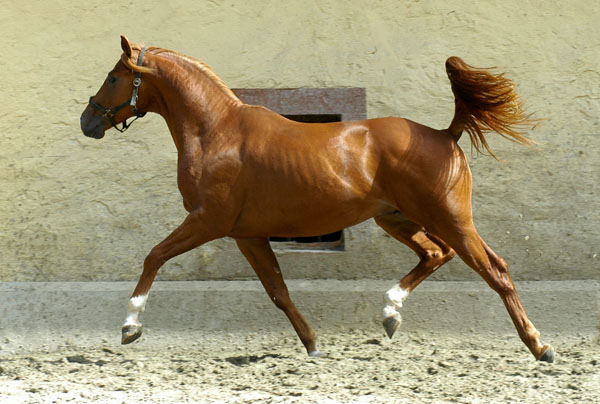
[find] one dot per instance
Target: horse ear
(126, 46)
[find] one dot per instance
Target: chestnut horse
(248, 173)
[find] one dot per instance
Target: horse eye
(111, 79)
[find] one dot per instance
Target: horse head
(117, 98)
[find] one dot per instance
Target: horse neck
(192, 100)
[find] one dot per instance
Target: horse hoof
(317, 354)
(130, 333)
(547, 356)
(391, 324)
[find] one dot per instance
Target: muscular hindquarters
(425, 174)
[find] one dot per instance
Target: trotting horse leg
(259, 254)
(193, 232)
(475, 253)
(432, 252)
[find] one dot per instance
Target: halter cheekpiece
(110, 113)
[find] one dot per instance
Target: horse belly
(306, 213)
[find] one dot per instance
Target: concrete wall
(73, 208)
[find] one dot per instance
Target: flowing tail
(485, 102)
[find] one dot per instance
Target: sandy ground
(361, 367)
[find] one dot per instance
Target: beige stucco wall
(73, 208)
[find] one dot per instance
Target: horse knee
(155, 258)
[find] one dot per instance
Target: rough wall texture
(73, 208)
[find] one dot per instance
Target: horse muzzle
(92, 125)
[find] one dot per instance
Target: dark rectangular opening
(312, 118)
(325, 238)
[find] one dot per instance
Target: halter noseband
(110, 113)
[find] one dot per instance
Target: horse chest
(189, 182)
(204, 182)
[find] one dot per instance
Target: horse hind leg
(475, 253)
(432, 252)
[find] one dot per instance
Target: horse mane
(202, 67)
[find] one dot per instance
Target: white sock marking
(394, 299)
(136, 305)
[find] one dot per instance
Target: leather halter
(110, 113)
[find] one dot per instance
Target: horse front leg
(195, 230)
(260, 255)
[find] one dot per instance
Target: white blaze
(134, 308)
